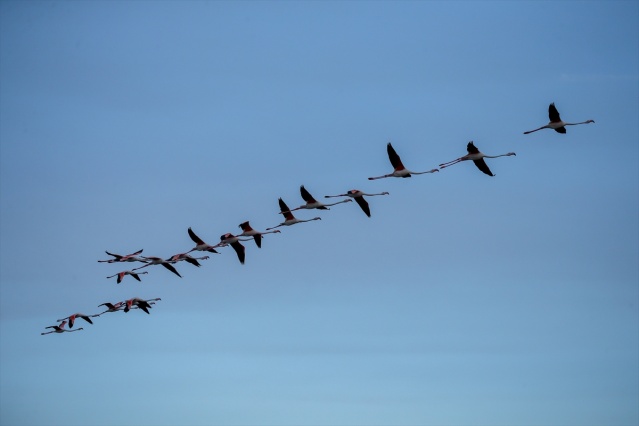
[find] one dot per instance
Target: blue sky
(464, 300)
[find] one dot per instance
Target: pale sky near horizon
(464, 300)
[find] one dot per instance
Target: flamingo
(111, 307)
(72, 318)
(152, 260)
(122, 274)
(200, 244)
(140, 303)
(289, 219)
(312, 203)
(60, 329)
(234, 241)
(477, 157)
(248, 231)
(188, 258)
(400, 170)
(358, 196)
(555, 122)
(120, 258)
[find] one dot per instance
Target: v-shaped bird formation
(248, 233)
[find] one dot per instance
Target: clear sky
(464, 300)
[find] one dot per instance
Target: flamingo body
(556, 123)
(237, 246)
(399, 169)
(248, 231)
(358, 196)
(476, 157)
(289, 219)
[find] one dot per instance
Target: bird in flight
(200, 245)
(234, 242)
(477, 157)
(122, 274)
(248, 231)
(555, 121)
(71, 319)
(289, 219)
(60, 329)
(123, 258)
(358, 196)
(153, 260)
(400, 170)
(187, 258)
(312, 203)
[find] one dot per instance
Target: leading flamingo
(358, 196)
(555, 121)
(289, 219)
(400, 170)
(477, 157)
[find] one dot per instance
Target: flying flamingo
(477, 157)
(72, 318)
(140, 303)
(188, 258)
(257, 236)
(111, 307)
(555, 122)
(152, 260)
(234, 241)
(200, 244)
(312, 203)
(400, 170)
(60, 329)
(289, 219)
(122, 274)
(358, 196)
(126, 258)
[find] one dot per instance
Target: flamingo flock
(248, 233)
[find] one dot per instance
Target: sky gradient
(464, 300)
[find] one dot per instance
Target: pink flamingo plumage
(139, 303)
(73, 317)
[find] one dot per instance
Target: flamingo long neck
(339, 202)
(583, 122)
(500, 155)
(421, 173)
